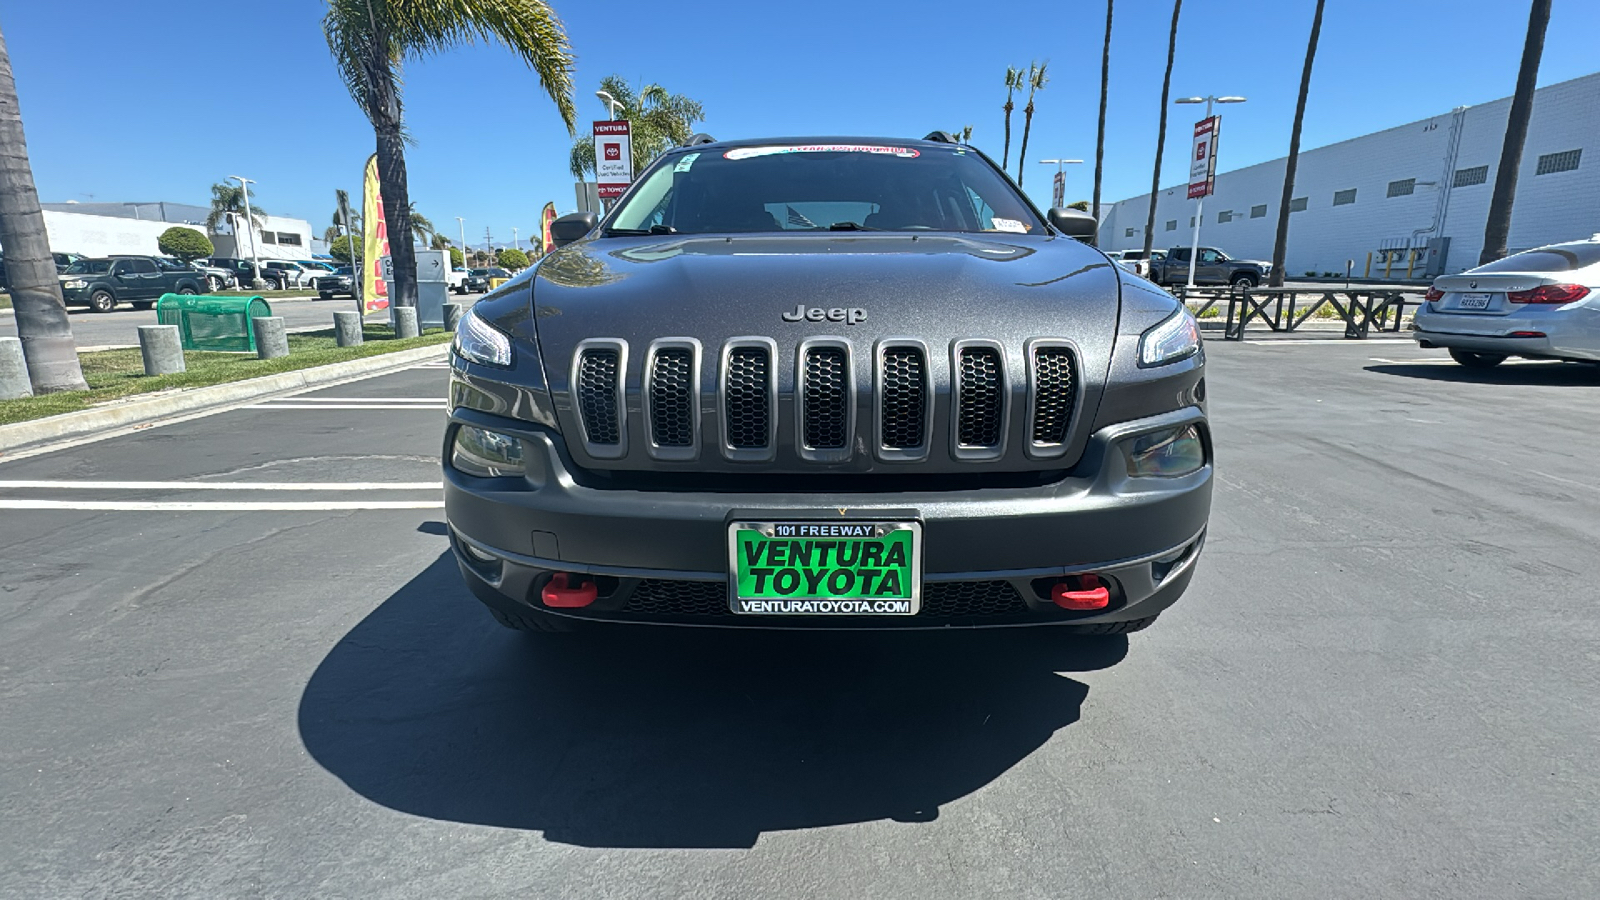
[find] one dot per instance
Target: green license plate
(853, 568)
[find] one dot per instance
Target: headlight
(1178, 337)
(478, 341)
(1165, 454)
(74, 285)
(486, 454)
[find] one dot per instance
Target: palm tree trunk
(1100, 139)
(1005, 159)
(1280, 244)
(30, 269)
(1022, 154)
(1161, 136)
(1497, 230)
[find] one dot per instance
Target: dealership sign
(613, 157)
(1203, 158)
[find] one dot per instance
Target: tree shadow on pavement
(1544, 373)
(663, 737)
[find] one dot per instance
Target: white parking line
(223, 485)
(282, 506)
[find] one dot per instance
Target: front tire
(213, 284)
(102, 301)
(1244, 282)
(185, 291)
(1477, 360)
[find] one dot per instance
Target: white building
(1385, 195)
(103, 229)
(277, 237)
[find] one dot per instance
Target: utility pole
(462, 224)
(488, 243)
(513, 237)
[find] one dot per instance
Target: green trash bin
(213, 323)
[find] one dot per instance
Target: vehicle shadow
(662, 737)
(1544, 373)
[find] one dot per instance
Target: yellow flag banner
(546, 216)
(374, 243)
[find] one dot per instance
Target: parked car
(101, 284)
(65, 259)
(865, 384)
(475, 282)
(244, 271)
(1212, 267)
(1540, 304)
(341, 283)
(1134, 260)
(217, 278)
(291, 274)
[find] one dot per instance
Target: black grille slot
(982, 398)
(972, 600)
(1054, 393)
(747, 406)
(597, 396)
(659, 597)
(905, 398)
(672, 397)
(958, 600)
(827, 398)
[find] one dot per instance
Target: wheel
(1127, 627)
(1244, 282)
(1477, 360)
(213, 283)
(102, 301)
(324, 296)
(531, 620)
(143, 304)
(185, 291)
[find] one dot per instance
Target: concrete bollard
(347, 328)
(405, 322)
(272, 341)
(161, 348)
(14, 381)
(452, 316)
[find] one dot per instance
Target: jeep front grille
(1054, 393)
(980, 397)
(671, 395)
(903, 403)
(598, 395)
(825, 399)
(747, 399)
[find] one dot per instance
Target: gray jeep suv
(827, 382)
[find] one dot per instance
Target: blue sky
(158, 99)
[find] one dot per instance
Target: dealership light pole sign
(613, 158)
(1202, 177)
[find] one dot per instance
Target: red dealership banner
(1203, 158)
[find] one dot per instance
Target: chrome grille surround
(603, 425)
(672, 398)
(757, 407)
(974, 406)
(1054, 386)
(896, 397)
(825, 409)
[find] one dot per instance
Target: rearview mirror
(1072, 222)
(571, 227)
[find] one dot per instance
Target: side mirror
(1072, 222)
(571, 227)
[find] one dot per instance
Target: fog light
(486, 454)
(1165, 454)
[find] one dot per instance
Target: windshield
(343, 270)
(821, 187)
(89, 267)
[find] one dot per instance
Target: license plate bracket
(852, 567)
(1475, 301)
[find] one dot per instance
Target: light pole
(249, 223)
(1200, 202)
(611, 104)
(513, 237)
(1061, 178)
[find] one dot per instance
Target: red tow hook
(559, 595)
(1081, 592)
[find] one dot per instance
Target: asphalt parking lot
(233, 666)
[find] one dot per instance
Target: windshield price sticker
(752, 152)
(826, 568)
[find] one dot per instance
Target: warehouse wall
(1551, 207)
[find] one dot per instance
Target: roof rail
(699, 138)
(941, 137)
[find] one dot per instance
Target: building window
(1127, 232)
(1472, 176)
(1225, 217)
(1344, 198)
(1564, 161)
(1298, 204)
(1191, 221)
(268, 237)
(1258, 212)
(1172, 224)
(1398, 188)
(289, 237)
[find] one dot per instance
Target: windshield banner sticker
(752, 152)
(1009, 225)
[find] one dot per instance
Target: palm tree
(1100, 137)
(421, 228)
(1014, 77)
(659, 121)
(1280, 244)
(30, 269)
(227, 205)
(440, 242)
(342, 201)
(1497, 230)
(1161, 133)
(1037, 79)
(372, 39)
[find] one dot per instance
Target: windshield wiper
(850, 226)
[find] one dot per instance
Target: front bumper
(990, 553)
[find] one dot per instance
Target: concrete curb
(140, 409)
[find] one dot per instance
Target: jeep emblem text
(854, 316)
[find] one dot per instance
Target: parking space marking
(219, 506)
(223, 485)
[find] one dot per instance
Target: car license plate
(1475, 301)
(826, 568)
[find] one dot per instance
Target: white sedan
(1541, 304)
